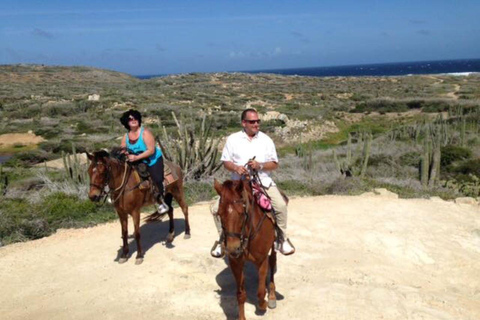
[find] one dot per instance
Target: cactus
(351, 159)
(366, 153)
(74, 171)
(3, 182)
(195, 151)
(425, 162)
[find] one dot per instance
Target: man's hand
(241, 170)
(255, 165)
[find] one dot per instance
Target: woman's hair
(134, 113)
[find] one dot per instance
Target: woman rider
(140, 145)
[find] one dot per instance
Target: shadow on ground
(228, 289)
(150, 234)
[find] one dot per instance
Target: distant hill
(30, 73)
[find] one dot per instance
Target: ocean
(383, 69)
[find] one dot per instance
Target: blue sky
(164, 37)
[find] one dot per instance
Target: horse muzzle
(94, 197)
(234, 248)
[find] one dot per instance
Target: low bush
(452, 153)
(21, 220)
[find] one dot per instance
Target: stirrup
(163, 208)
(217, 250)
(282, 250)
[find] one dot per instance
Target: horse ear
(218, 186)
(89, 156)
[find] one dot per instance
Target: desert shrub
(47, 132)
(468, 167)
(21, 220)
(410, 159)
(376, 160)
(29, 158)
(452, 153)
(295, 187)
(196, 191)
(348, 186)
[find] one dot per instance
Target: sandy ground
(367, 257)
(11, 139)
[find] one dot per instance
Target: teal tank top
(140, 146)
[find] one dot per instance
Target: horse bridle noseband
(103, 193)
(244, 238)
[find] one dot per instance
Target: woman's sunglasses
(253, 121)
(132, 119)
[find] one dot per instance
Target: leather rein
(244, 238)
(103, 192)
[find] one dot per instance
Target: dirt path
(369, 257)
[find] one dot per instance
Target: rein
(245, 239)
(110, 193)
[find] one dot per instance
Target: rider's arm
(230, 166)
(263, 166)
(149, 142)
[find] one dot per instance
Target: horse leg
(124, 223)
(262, 282)
(183, 204)
(171, 230)
(237, 269)
(136, 223)
(272, 298)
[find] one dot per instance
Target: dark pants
(156, 172)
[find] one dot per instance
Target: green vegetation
(417, 136)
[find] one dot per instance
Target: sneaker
(287, 248)
(162, 208)
(217, 250)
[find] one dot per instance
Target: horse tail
(153, 217)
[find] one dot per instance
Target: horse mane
(118, 154)
(100, 155)
(238, 187)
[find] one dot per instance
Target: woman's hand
(132, 158)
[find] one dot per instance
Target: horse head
(98, 172)
(233, 212)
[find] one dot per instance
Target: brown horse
(128, 198)
(249, 236)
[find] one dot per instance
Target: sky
(168, 37)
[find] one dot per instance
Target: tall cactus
(348, 164)
(3, 182)
(195, 151)
(74, 171)
(366, 153)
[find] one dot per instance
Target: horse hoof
(170, 238)
(122, 260)
(272, 304)
(187, 236)
(139, 261)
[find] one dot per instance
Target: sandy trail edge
(365, 257)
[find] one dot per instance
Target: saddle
(143, 179)
(263, 200)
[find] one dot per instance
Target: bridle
(242, 235)
(103, 192)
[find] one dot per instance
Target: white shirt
(239, 148)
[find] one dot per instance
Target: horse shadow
(228, 289)
(152, 233)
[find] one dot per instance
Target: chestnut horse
(128, 198)
(249, 236)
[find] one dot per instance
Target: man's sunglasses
(253, 121)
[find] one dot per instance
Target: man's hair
(244, 113)
(134, 113)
